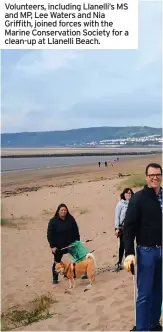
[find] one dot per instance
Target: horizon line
(61, 130)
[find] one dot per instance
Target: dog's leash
(105, 269)
(72, 245)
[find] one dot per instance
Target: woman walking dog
(62, 232)
(120, 213)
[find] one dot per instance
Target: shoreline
(19, 164)
(68, 175)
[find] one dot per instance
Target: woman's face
(62, 212)
(128, 195)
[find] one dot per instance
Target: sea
(36, 163)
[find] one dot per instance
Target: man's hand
(130, 259)
(54, 250)
(117, 232)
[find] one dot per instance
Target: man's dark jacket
(143, 220)
(61, 233)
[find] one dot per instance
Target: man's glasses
(152, 176)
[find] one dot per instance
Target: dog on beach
(74, 270)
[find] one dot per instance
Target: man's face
(154, 177)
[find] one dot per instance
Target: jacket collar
(151, 190)
(125, 202)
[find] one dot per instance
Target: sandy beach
(29, 200)
(71, 151)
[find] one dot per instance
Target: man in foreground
(144, 221)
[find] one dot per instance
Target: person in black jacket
(62, 232)
(144, 221)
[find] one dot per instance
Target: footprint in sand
(99, 327)
(99, 309)
(97, 298)
(72, 320)
(116, 303)
(85, 326)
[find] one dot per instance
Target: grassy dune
(134, 181)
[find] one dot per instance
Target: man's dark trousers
(149, 283)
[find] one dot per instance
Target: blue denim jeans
(149, 283)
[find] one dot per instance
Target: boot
(118, 267)
(55, 282)
(55, 275)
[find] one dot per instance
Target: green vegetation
(19, 223)
(6, 222)
(37, 310)
(134, 181)
(2, 221)
(9, 223)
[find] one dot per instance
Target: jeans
(149, 283)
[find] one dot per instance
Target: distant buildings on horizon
(130, 141)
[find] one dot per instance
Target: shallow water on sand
(23, 164)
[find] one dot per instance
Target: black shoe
(156, 328)
(55, 282)
(54, 276)
(85, 276)
(119, 267)
(133, 329)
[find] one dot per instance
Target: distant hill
(73, 137)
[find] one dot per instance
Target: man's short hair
(154, 165)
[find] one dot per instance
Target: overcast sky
(59, 89)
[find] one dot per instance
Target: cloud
(42, 62)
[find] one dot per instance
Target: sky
(46, 90)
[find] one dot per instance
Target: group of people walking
(107, 163)
(138, 218)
